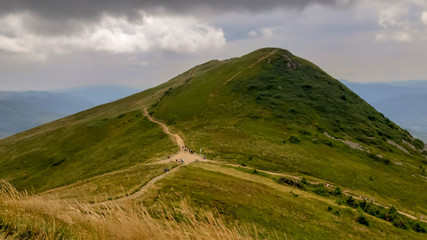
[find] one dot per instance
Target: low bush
(363, 220)
(321, 190)
(337, 192)
(294, 140)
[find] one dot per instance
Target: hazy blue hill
(373, 92)
(402, 102)
(411, 83)
(409, 111)
(100, 94)
(20, 111)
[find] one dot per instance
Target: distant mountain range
(100, 94)
(402, 102)
(20, 111)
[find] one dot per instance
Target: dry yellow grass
(32, 217)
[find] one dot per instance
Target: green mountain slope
(270, 111)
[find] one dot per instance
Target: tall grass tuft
(33, 217)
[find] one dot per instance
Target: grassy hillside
(279, 117)
(273, 114)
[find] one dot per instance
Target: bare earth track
(183, 156)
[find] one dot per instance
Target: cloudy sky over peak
(49, 44)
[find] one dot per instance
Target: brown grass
(33, 217)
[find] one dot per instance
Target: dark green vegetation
(268, 111)
(366, 205)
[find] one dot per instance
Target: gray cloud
(53, 17)
(84, 9)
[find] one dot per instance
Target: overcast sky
(50, 44)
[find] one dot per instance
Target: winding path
(182, 154)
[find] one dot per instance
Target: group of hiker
(187, 150)
(180, 160)
(367, 199)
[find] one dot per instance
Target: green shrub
(363, 220)
(305, 132)
(339, 201)
(290, 182)
(400, 223)
(294, 140)
(352, 202)
(321, 190)
(303, 180)
(337, 191)
(418, 143)
(386, 161)
(417, 226)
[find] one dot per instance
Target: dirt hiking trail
(183, 157)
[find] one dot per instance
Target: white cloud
(264, 32)
(424, 17)
(393, 36)
(267, 32)
(381, 37)
(397, 19)
(392, 14)
(402, 37)
(253, 33)
(114, 35)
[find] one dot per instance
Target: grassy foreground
(32, 217)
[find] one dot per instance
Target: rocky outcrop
(397, 145)
(348, 143)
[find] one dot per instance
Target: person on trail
(166, 169)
